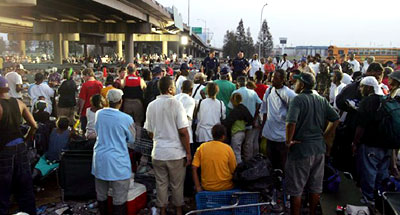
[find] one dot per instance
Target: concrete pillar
(22, 48)
(119, 48)
(129, 48)
(165, 47)
(65, 49)
(85, 52)
(57, 43)
(177, 50)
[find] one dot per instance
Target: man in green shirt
(226, 87)
(305, 123)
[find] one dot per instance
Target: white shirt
(209, 115)
(255, 66)
(13, 79)
(315, 67)
(164, 116)
(179, 82)
(365, 67)
(197, 96)
(42, 90)
(90, 130)
(355, 64)
(285, 64)
(189, 104)
(334, 91)
(275, 126)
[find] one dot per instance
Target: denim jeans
(373, 167)
(16, 178)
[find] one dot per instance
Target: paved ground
(348, 193)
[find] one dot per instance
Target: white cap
(347, 79)
(371, 81)
(114, 95)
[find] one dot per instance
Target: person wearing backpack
(373, 154)
(152, 90)
(274, 107)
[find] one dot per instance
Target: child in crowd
(236, 123)
(59, 140)
(97, 102)
(39, 112)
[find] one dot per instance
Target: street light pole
(189, 13)
(262, 32)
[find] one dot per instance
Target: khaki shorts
(304, 173)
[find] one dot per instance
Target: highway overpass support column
(22, 48)
(57, 43)
(65, 49)
(165, 48)
(129, 47)
(119, 49)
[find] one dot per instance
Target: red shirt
(260, 90)
(89, 88)
(269, 68)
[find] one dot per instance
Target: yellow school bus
(382, 55)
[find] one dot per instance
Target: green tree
(45, 47)
(265, 39)
(13, 46)
(249, 44)
(230, 44)
(241, 39)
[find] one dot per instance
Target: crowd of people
(210, 120)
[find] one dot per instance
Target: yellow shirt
(217, 162)
(105, 90)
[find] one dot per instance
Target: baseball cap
(3, 82)
(226, 70)
(114, 95)
(156, 70)
(306, 78)
(371, 81)
(184, 66)
(395, 75)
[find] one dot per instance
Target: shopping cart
(227, 203)
(143, 143)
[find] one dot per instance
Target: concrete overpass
(64, 20)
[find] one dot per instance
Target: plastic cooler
(137, 198)
(209, 199)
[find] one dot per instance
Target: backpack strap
(195, 92)
(221, 110)
(283, 101)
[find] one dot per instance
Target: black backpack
(151, 92)
(388, 114)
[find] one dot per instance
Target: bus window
(371, 52)
(377, 52)
(361, 52)
(341, 52)
(383, 52)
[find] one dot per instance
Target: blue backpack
(388, 114)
